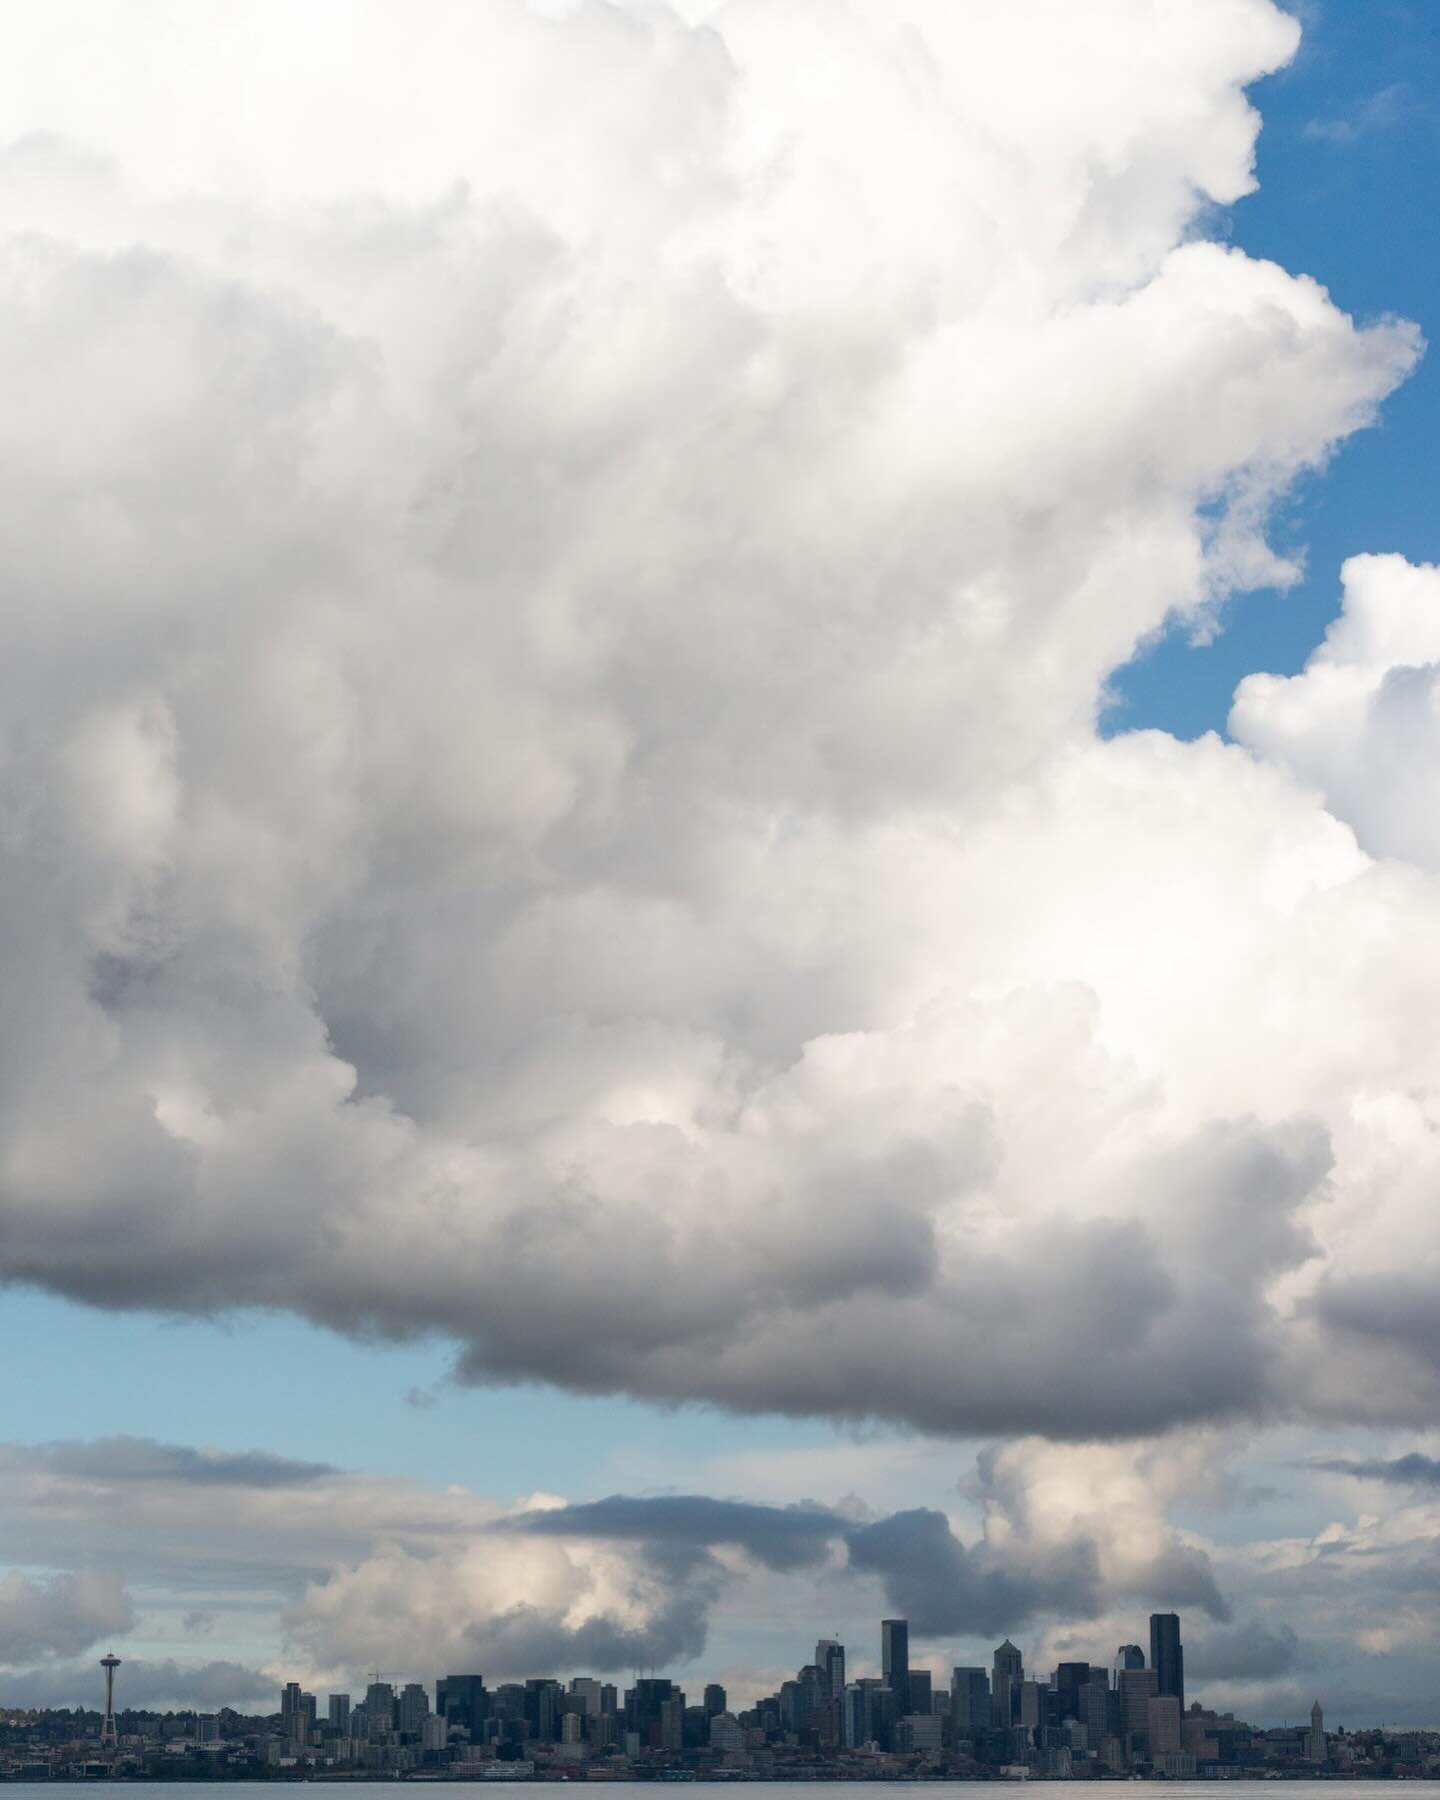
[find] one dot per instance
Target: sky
(718, 843)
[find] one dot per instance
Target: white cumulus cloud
(560, 571)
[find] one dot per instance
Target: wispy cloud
(1381, 111)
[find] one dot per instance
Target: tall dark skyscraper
(1009, 1672)
(969, 1701)
(462, 1700)
(830, 1659)
(1129, 1656)
(1167, 1658)
(895, 1657)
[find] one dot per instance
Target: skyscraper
(969, 1701)
(830, 1659)
(1129, 1656)
(462, 1700)
(1167, 1658)
(340, 1713)
(412, 1709)
(380, 1709)
(1005, 1683)
(895, 1658)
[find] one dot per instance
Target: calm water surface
(770, 1790)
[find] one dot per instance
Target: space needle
(108, 1735)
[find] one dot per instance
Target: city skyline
(1117, 1718)
(719, 735)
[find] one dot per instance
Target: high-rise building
(1070, 1677)
(1163, 1719)
(672, 1722)
(543, 1698)
(293, 1723)
(830, 1660)
(921, 1700)
(1138, 1687)
(1008, 1673)
(1316, 1749)
(462, 1700)
(339, 1713)
(1030, 1698)
(895, 1657)
(642, 1707)
(380, 1709)
(715, 1700)
(969, 1702)
(1093, 1708)
(1167, 1658)
(587, 1690)
(1129, 1656)
(412, 1708)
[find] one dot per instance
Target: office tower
(1129, 1656)
(672, 1722)
(609, 1699)
(1093, 1708)
(572, 1726)
(715, 1699)
(1138, 1687)
(1030, 1698)
(412, 1709)
(339, 1713)
(587, 1690)
(969, 1702)
(830, 1660)
(814, 1695)
(1163, 1720)
(895, 1657)
(380, 1709)
(109, 1735)
(462, 1700)
(642, 1707)
(867, 1714)
(1009, 1672)
(293, 1723)
(917, 1698)
(1316, 1749)
(542, 1708)
(1070, 1677)
(1167, 1658)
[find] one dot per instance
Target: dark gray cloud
(780, 1537)
(137, 1459)
(1410, 1470)
(944, 1589)
(1248, 1652)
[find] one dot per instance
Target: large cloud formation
(561, 564)
(343, 1568)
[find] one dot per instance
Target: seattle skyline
(718, 753)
